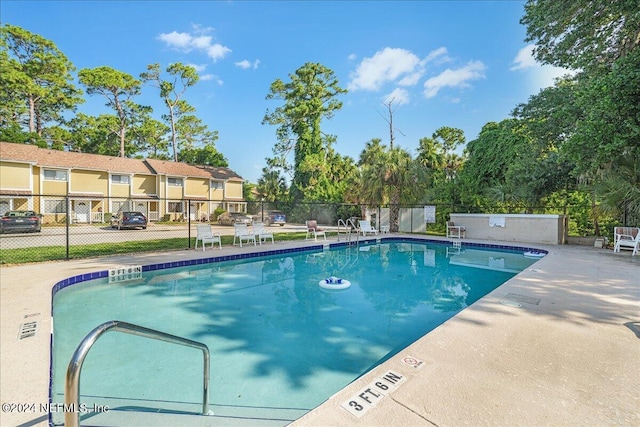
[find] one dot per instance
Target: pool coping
(621, 268)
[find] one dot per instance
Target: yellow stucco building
(88, 186)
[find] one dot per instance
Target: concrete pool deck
(558, 344)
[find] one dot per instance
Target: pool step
(123, 413)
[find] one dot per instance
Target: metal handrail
(349, 226)
(347, 229)
(72, 385)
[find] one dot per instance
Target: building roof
(69, 159)
(222, 173)
(46, 157)
(165, 167)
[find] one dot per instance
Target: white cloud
(211, 77)
(198, 67)
(399, 96)
(540, 76)
(524, 59)
(440, 52)
(245, 64)
(384, 66)
(186, 42)
(352, 57)
(459, 77)
(181, 41)
(217, 51)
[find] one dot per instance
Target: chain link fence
(83, 226)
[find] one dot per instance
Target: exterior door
(82, 212)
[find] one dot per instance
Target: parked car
(230, 218)
(20, 221)
(274, 218)
(129, 220)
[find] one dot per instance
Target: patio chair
(314, 230)
(261, 233)
(241, 233)
(365, 227)
(205, 235)
(627, 238)
(456, 231)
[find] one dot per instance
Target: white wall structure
(525, 228)
(411, 220)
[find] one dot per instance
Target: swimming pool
(280, 344)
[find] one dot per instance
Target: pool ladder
(349, 227)
(72, 384)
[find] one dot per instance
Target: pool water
(277, 339)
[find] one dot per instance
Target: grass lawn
(56, 253)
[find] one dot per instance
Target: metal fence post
(67, 225)
(189, 223)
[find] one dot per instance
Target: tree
(37, 85)
(151, 137)
(601, 40)
(392, 129)
(308, 98)
(119, 89)
(582, 35)
(390, 176)
(272, 186)
(207, 155)
(95, 134)
(171, 91)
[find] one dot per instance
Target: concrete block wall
(525, 228)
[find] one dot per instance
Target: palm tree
(390, 176)
(619, 188)
(271, 186)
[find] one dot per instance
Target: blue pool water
(277, 340)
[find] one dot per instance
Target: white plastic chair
(242, 233)
(206, 235)
(627, 238)
(456, 231)
(261, 233)
(365, 227)
(314, 230)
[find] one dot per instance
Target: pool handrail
(349, 226)
(72, 384)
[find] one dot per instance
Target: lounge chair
(205, 235)
(365, 227)
(242, 233)
(456, 231)
(261, 233)
(627, 238)
(314, 230)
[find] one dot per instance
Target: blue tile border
(248, 255)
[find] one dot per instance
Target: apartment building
(87, 186)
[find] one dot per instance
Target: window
(174, 182)
(55, 206)
(120, 206)
(175, 207)
(216, 185)
(55, 175)
(120, 179)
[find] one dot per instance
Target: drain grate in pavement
(522, 298)
(27, 330)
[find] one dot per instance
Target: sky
(453, 63)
